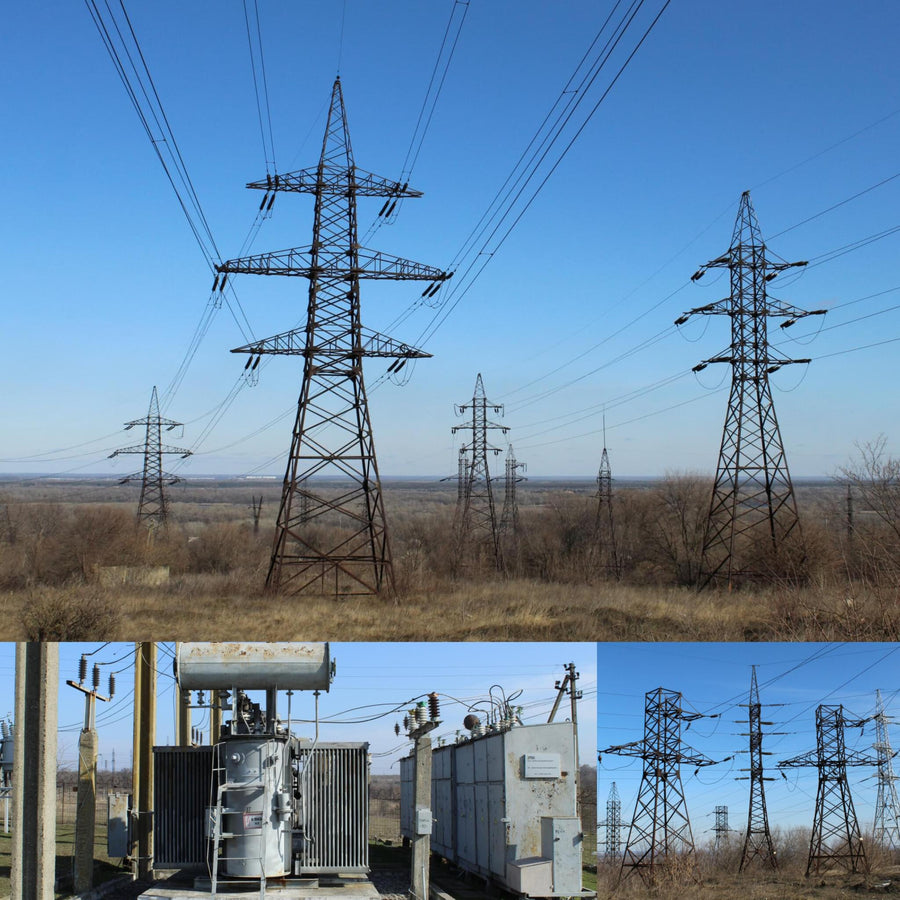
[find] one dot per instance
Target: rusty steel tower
(835, 835)
(757, 840)
(152, 507)
(476, 518)
(333, 539)
(660, 832)
(752, 494)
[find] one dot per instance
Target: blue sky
(105, 284)
(712, 679)
(381, 675)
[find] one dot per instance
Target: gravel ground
(392, 884)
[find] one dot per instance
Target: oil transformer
(260, 803)
(504, 808)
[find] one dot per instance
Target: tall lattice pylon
(886, 830)
(606, 532)
(835, 833)
(476, 523)
(153, 507)
(660, 833)
(757, 839)
(612, 846)
(752, 494)
(333, 539)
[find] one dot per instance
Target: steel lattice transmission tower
(509, 519)
(721, 828)
(886, 830)
(660, 832)
(476, 517)
(613, 824)
(752, 493)
(835, 833)
(758, 839)
(336, 538)
(606, 532)
(152, 507)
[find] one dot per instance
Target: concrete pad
(326, 888)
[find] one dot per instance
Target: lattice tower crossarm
(835, 834)
(886, 829)
(660, 833)
(153, 507)
(757, 839)
(333, 539)
(476, 520)
(752, 493)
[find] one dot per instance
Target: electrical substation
(269, 807)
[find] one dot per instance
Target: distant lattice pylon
(613, 825)
(721, 828)
(886, 829)
(660, 834)
(606, 531)
(331, 532)
(752, 495)
(836, 837)
(757, 839)
(153, 506)
(509, 519)
(476, 522)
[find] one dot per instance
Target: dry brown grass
(52, 541)
(221, 608)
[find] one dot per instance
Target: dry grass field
(714, 876)
(59, 542)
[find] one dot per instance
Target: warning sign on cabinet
(252, 820)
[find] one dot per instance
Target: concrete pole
(421, 843)
(182, 714)
(142, 768)
(34, 772)
(86, 810)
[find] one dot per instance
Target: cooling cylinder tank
(257, 806)
(223, 665)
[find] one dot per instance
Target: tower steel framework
(606, 532)
(886, 829)
(153, 507)
(476, 516)
(757, 839)
(660, 832)
(835, 835)
(752, 490)
(336, 537)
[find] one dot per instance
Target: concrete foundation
(336, 888)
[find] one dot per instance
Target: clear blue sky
(380, 676)
(105, 284)
(713, 678)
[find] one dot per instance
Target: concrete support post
(86, 811)
(34, 772)
(142, 767)
(421, 843)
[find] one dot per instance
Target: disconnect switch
(423, 821)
